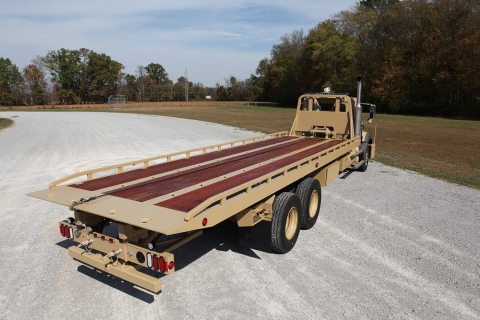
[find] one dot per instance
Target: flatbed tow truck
(269, 185)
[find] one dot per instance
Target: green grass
(427, 121)
(5, 123)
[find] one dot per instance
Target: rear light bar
(152, 260)
(66, 231)
(159, 263)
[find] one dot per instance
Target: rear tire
(364, 156)
(310, 193)
(286, 209)
(366, 153)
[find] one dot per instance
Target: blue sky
(213, 39)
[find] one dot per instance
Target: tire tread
(280, 202)
(304, 193)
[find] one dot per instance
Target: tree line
(84, 76)
(415, 56)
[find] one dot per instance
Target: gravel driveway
(388, 244)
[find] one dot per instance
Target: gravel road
(388, 244)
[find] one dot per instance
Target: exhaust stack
(357, 113)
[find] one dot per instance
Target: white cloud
(213, 39)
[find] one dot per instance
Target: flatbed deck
(167, 197)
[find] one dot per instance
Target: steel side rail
(146, 161)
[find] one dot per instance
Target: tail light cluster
(159, 263)
(66, 231)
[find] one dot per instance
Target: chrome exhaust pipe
(357, 113)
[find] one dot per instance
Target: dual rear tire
(292, 211)
(366, 153)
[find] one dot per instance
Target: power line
(186, 84)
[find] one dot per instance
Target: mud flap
(258, 237)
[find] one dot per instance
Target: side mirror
(372, 112)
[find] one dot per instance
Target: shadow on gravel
(116, 283)
(345, 173)
(66, 243)
(222, 237)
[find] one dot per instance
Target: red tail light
(62, 230)
(163, 264)
(67, 231)
(171, 265)
(155, 262)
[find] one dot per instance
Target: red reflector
(103, 237)
(110, 240)
(62, 230)
(204, 222)
(67, 231)
(171, 265)
(155, 262)
(163, 264)
(95, 235)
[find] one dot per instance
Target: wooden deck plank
(190, 200)
(168, 184)
(117, 179)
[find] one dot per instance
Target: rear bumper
(123, 271)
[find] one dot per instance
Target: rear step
(125, 272)
(358, 165)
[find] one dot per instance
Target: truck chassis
(273, 180)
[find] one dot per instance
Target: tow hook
(111, 255)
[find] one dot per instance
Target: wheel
(285, 221)
(310, 194)
(365, 155)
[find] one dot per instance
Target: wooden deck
(168, 184)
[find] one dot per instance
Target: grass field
(441, 148)
(5, 123)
